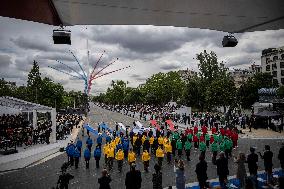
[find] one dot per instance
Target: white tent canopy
(24, 106)
(222, 15)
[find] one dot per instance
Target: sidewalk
(33, 154)
(261, 134)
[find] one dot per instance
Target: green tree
(163, 87)
(214, 87)
(209, 67)
(220, 93)
(34, 83)
(133, 96)
(194, 95)
(51, 93)
(5, 89)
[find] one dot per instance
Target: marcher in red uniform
(195, 129)
(186, 131)
(228, 132)
(201, 138)
(235, 138)
(213, 130)
(195, 140)
(204, 129)
(190, 131)
(222, 131)
(211, 139)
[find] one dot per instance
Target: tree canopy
(42, 91)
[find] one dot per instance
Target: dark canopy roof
(222, 15)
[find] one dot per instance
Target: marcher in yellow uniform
(113, 144)
(105, 152)
(131, 157)
(151, 141)
(110, 157)
(146, 159)
(117, 140)
(143, 139)
(119, 156)
(160, 141)
(160, 155)
(168, 150)
(134, 138)
(165, 140)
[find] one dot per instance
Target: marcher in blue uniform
(99, 140)
(119, 146)
(108, 139)
(89, 143)
(79, 145)
(125, 146)
(70, 152)
(87, 156)
(97, 156)
(76, 157)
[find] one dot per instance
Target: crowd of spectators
(16, 130)
(65, 123)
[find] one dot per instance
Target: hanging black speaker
(229, 41)
(62, 37)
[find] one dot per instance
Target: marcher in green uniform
(187, 148)
(202, 148)
(222, 146)
(227, 146)
(214, 149)
(207, 139)
(198, 135)
(176, 135)
(216, 138)
(220, 138)
(189, 137)
(179, 147)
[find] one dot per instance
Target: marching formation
(165, 145)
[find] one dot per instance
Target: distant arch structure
(232, 16)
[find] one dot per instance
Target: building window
(267, 60)
(282, 81)
(275, 81)
(282, 72)
(275, 58)
(268, 68)
(274, 73)
(281, 64)
(282, 56)
(274, 66)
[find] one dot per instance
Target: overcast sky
(147, 49)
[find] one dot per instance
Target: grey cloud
(151, 39)
(5, 61)
(24, 63)
(244, 59)
(56, 56)
(12, 73)
(35, 43)
(8, 69)
(252, 48)
(170, 65)
(138, 77)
